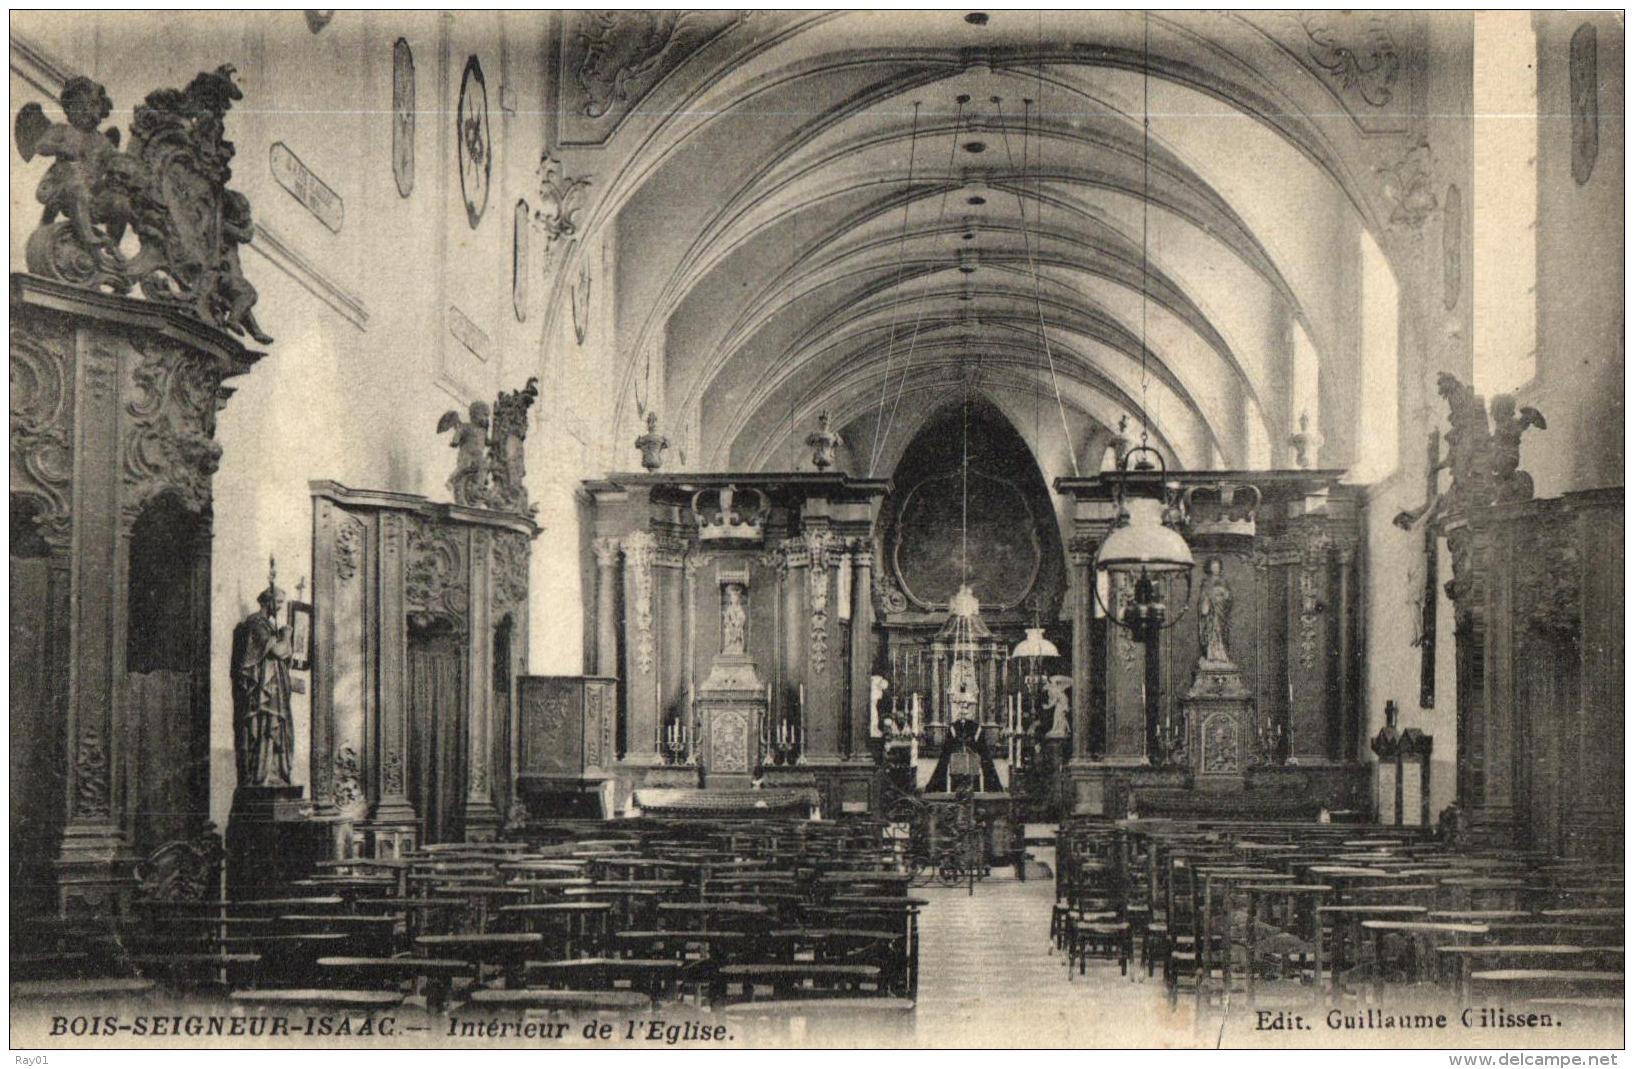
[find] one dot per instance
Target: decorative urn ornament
(822, 442)
(652, 444)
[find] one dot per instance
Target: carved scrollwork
(1357, 50)
(820, 547)
(1407, 187)
(182, 870)
(348, 781)
(435, 582)
(510, 569)
(168, 185)
(624, 52)
(348, 548)
(170, 446)
(91, 793)
(42, 457)
(639, 549)
(391, 773)
(1313, 561)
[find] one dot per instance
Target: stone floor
(988, 977)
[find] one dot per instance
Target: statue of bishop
(263, 727)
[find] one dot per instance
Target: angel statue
(82, 153)
(1509, 482)
(1059, 706)
(469, 483)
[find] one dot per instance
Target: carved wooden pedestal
(113, 415)
(1218, 713)
(270, 841)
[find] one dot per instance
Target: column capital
(606, 551)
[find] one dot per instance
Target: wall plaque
(475, 141)
(469, 334)
(1585, 89)
(299, 181)
(519, 261)
(402, 110)
(1452, 247)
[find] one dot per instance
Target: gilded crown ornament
(728, 522)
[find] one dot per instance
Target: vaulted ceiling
(1083, 216)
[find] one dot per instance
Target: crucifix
(1425, 641)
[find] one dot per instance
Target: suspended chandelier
(1144, 549)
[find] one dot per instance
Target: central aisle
(988, 978)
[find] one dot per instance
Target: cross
(1427, 605)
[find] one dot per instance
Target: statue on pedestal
(1214, 615)
(734, 620)
(1059, 706)
(263, 728)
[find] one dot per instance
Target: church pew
(542, 1000)
(657, 978)
(576, 928)
(1346, 958)
(200, 971)
(506, 951)
(789, 979)
(432, 978)
(1462, 961)
(318, 999)
(1423, 937)
(371, 935)
(1542, 983)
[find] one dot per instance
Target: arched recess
(970, 503)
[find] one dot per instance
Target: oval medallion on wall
(402, 109)
(475, 141)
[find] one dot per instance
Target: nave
(1151, 933)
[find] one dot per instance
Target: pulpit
(113, 418)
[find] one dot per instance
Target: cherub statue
(1509, 482)
(469, 483)
(1059, 706)
(82, 151)
(233, 290)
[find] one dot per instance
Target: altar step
(727, 803)
(1236, 805)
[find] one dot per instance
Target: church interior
(1065, 528)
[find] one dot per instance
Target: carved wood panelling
(42, 458)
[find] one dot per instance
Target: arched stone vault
(807, 215)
